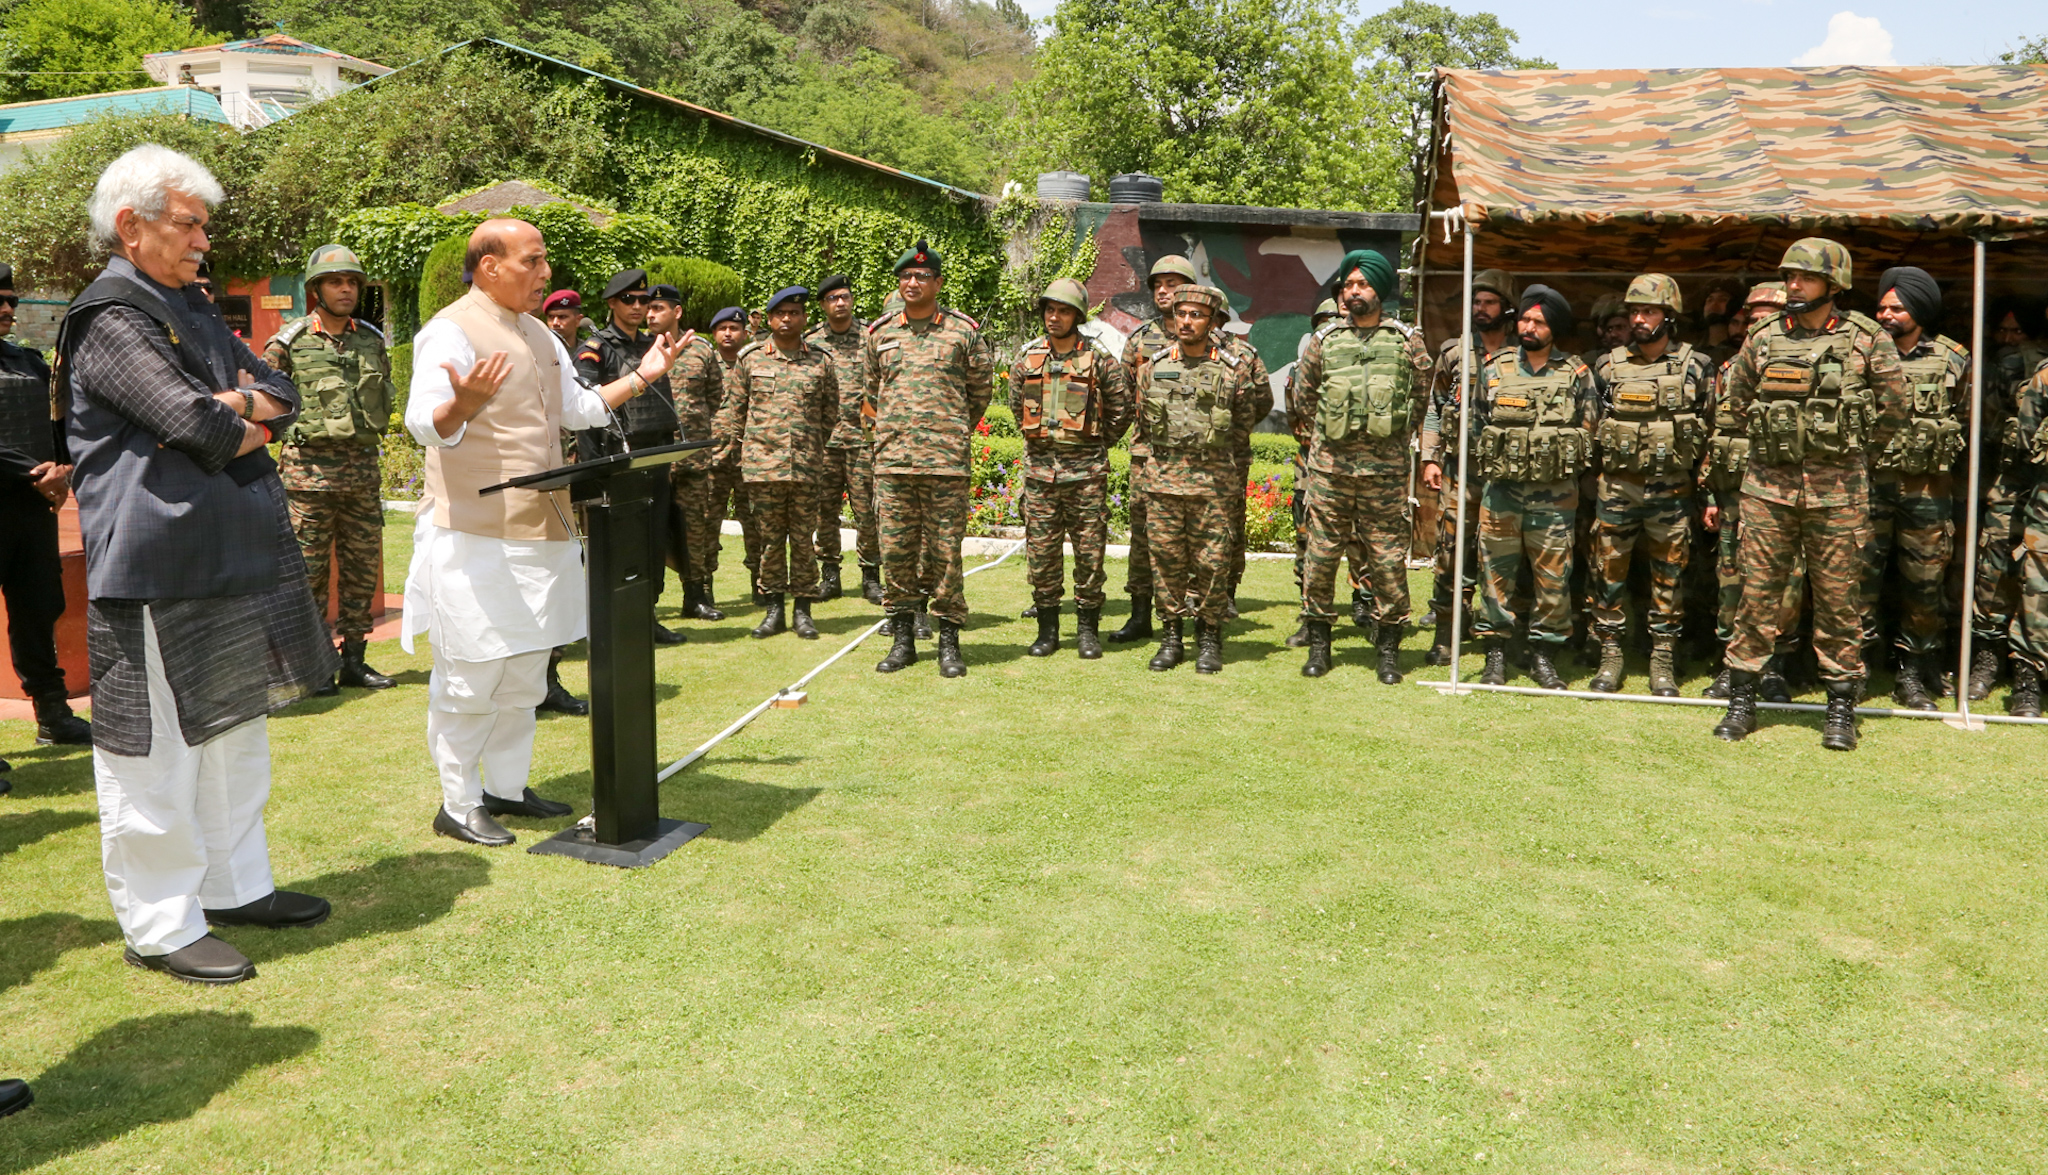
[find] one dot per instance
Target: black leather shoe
(529, 804)
(1030, 613)
(328, 689)
(800, 621)
(664, 636)
(355, 672)
(14, 1096)
(209, 961)
(559, 700)
(1318, 663)
(1139, 625)
(1740, 720)
(950, 662)
(903, 650)
(477, 829)
(1496, 670)
(772, 621)
(1048, 641)
(56, 725)
(1838, 729)
(276, 909)
(871, 584)
(1542, 672)
(921, 621)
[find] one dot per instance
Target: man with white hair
(498, 578)
(198, 621)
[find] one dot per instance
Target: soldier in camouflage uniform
(1195, 404)
(1820, 388)
(1071, 404)
(1297, 501)
(1262, 405)
(849, 466)
(781, 401)
(1168, 274)
(728, 335)
(2028, 634)
(1534, 409)
(1912, 492)
(329, 461)
(928, 378)
(1358, 397)
(697, 380)
(2010, 468)
(1656, 397)
(1492, 320)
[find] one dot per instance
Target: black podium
(619, 559)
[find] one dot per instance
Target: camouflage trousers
(729, 487)
(1632, 521)
(1234, 506)
(922, 518)
(1345, 515)
(1912, 518)
(2029, 630)
(1055, 514)
(1527, 524)
(784, 513)
(2000, 532)
(1446, 542)
(1728, 570)
(694, 523)
(349, 524)
(1774, 538)
(1138, 575)
(1190, 550)
(849, 477)
(1354, 550)
(1585, 553)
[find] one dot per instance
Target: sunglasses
(9, 300)
(636, 299)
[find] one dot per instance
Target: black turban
(1557, 311)
(1917, 290)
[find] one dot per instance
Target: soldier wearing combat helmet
(1071, 403)
(1168, 274)
(1820, 389)
(329, 463)
(1656, 397)
(1492, 328)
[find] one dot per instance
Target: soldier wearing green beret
(329, 461)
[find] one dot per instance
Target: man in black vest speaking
(198, 621)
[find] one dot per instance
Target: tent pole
(1463, 470)
(1967, 551)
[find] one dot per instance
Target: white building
(261, 80)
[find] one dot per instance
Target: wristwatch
(248, 404)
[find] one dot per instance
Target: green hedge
(441, 275)
(707, 287)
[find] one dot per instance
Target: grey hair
(143, 180)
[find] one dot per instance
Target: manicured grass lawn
(1069, 916)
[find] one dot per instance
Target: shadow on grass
(21, 829)
(395, 894)
(50, 771)
(736, 809)
(28, 945)
(141, 1072)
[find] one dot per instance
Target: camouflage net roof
(1700, 169)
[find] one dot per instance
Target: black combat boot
(1718, 688)
(1440, 643)
(1771, 685)
(1048, 641)
(1361, 608)
(1541, 671)
(871, 584)
(904, 651)
(1664, 670)
(1318, 662)
(1229, 608)
(1388, 638)
(2026, 690)
(950, 664)
(1612, 667)
(1139, 626)
(1987, 661)
(1169, 653)
(921, 620)
(1300, 638)
(707, 605)
(771, 623)
(1909, 688)
(828, 580)
(559, 700)
(800, 620)
(326, 689)
(1496, 671)
(1740, 720)
(1030, 613)
(56, 725)
(1208, 647)
(1088, 633)
(355, 673)
(668, 636)
(1838, 731)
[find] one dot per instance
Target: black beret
(666, 293)
(730, 314)
(837, 281)
(624, 280)
(788, 294)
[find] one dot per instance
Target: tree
(2032, 51)
(861, 108)
(1402, 44)
(59, 48)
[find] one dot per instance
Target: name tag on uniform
(1156, 374)
(1636, 397)
(1512, 402)
(891, 345)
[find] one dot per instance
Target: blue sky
(1579, 34)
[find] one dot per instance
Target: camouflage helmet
(1605, 306)
(1176, 265)
(1327, 308)
(1207, 297)
(1655, 289)
(1496, 280)
(1818, 255)
(1766, 294)
(1067, 292)
(332, 259)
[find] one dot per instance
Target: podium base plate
(669, 835)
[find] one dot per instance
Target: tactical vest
(1932, 438)
(346, 394)
(1064, 407)
(1651, 427)
(2016, 367)
(1367, 383)
(1728, 451)
(1811, 400)
(1531, 434)
(1187, 406)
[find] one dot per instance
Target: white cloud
(1851, 40)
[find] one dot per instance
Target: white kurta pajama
(495, 607)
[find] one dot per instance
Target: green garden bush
(441, 276)
(707, 287)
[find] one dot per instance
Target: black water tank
(1062, 185)
(1136, 188)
